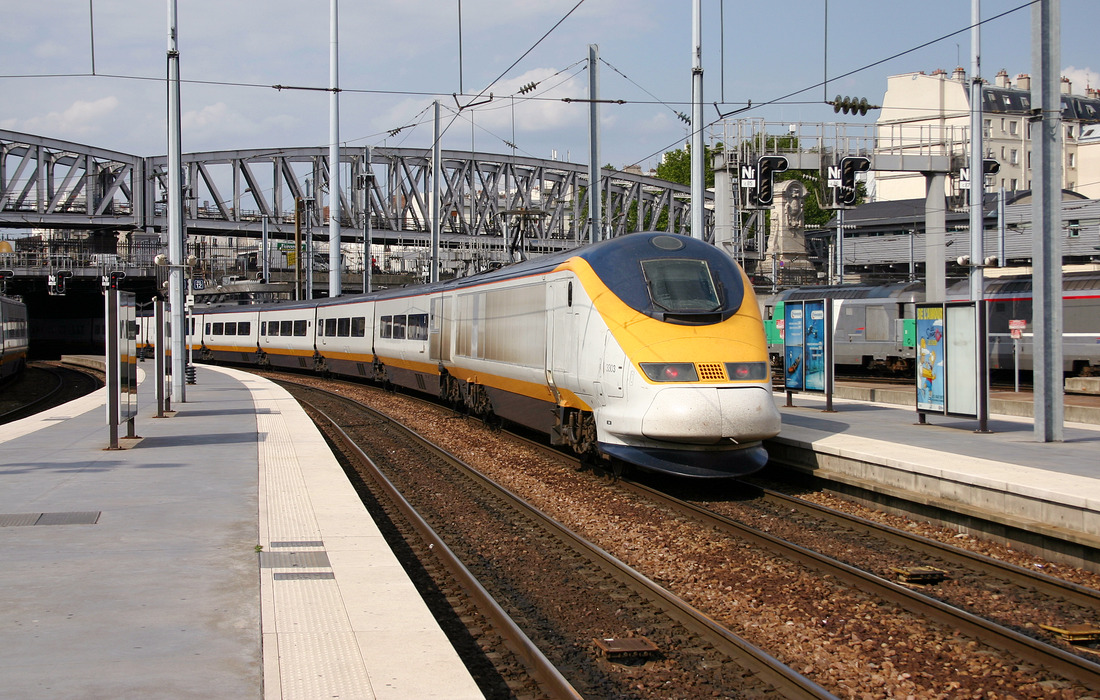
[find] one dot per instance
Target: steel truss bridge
(487, 200)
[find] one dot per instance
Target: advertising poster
(793, 332)
(930, 358)
(814, 345)
(962, 370)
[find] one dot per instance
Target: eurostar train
(646, 350)
(13, 337)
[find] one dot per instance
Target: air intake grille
(711, 372)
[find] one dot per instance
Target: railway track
(1012, 587)
(582, 607)
(44, 385)
(850, 631)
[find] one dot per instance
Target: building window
(1069, 132)
(1013, 184)
(1014, 157)
(1013, 127)
(1002, 125)
(987, 128)
(1072, 161)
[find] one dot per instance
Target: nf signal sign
(748, 176)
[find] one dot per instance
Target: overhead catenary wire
(780, 100)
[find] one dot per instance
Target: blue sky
(397, 56)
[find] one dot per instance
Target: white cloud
(216, 126)
(78, 119)
(1082, 78)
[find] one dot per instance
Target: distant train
(13, 332)
(646, 349)
(873, 326)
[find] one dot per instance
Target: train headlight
(745, 371)
(670, 371)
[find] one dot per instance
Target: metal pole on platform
(437, 174)
(334, 266)
(595, 203)
(265, 267)
(1047, 234)
(368, 260)
(698, 155)
(158, 352)
(840, 245)
(175, 212)
(977, 218)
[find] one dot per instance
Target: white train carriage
(287, 335)
(14, 338)
(647, 348)
(345, 333)
(229, 336)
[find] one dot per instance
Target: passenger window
(273, 328)
(208, 329)
(418, 327)
(386, 330)
(330, 327)
(399, 327)
(219, 329)
(244, 328)
(263, 327)
(286, 328)
(300, 328)
(231, 328)
(343, 328)
(358, 327)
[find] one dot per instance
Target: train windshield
(680, 285)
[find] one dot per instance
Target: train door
(561, 335)
(439, 331)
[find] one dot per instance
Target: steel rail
(28, 409)
(766, 667)
(1026, 648)
(542, 670)
(1045, 583)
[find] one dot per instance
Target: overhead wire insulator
(528, 88)
(852, 105)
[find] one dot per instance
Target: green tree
(676, 165)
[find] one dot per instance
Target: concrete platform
(1004, 477)
(135, 573)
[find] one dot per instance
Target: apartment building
(932, 112)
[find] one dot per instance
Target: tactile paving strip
(318, 655)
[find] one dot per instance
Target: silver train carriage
(646, 349)
(874, 326)
(14, 336)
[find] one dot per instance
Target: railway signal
(849, 166)
(766, 167)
